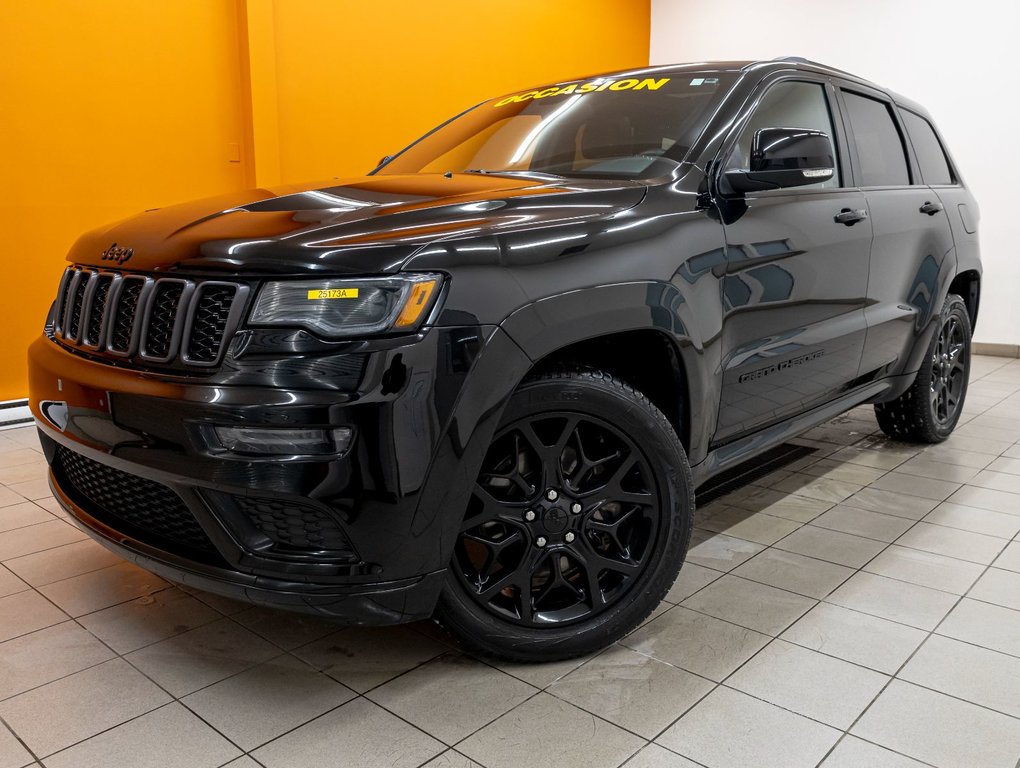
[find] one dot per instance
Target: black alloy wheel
(577, 523)
(929, 410)
(949, 372)
(561, 521)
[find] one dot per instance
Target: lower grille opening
(285, 529)
(140, 508)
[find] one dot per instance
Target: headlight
(348, 307)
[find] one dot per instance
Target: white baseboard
(14, 413)
(996, 350)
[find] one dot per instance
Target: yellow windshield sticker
(334, 293)
(629, 84)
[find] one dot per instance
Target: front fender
(550, 324)
(458, 456)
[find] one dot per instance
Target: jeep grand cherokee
(483, 382)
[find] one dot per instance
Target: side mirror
(784, 157)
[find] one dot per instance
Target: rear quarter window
(931, 155)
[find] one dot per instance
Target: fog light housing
(274, 441)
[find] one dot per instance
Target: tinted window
(930, 155)
(788, 105)
(879, 146)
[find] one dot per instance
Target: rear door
(912, 235)
(940, 175)
(795, 278)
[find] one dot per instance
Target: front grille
(164, 321)
(141, 508)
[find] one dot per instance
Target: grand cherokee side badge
(117, 254)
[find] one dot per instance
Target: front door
(796, 275)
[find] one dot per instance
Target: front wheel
(929, 410)
(577, 525)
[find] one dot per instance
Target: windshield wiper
(509, 172)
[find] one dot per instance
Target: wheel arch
(967, 285)
(549, 331)
(641, 333)
(646, 359)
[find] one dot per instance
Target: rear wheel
(929, 410)
(577, 525)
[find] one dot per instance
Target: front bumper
(380, 603)
(131, 468)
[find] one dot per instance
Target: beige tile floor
(860, 607)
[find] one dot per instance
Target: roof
(744, 65)
(761, 65)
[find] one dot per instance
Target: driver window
(788, 104)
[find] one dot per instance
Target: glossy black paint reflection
(769, 313)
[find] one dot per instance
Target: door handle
(930, 208)
(850, 216)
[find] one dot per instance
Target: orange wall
(116, 106)
(108, 108)
(359, 79)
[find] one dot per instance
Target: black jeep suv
(483, 382)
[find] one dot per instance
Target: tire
(537, 578)
(929, 410)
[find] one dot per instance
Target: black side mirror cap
(784, 157)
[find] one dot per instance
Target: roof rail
(798, 59)
(802, 60)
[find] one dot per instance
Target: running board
(731, 454)
(742, 474)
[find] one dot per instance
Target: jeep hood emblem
(117, 253)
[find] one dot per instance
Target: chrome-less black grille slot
(61, 308)
(211, 315)
(161, 324)
(97, 310)
(125, 315)
(78, 286)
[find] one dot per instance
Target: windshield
(622, 127)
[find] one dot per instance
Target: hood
(371, 224)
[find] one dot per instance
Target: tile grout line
(929, 633)
(545, 688)
(21, 741)
(362, 695)
(887, 544)
(113, 727)
(118, 655)
(896, 674)
(129, 662)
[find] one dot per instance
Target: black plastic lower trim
(376, 604)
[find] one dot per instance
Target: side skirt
(729, 455)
